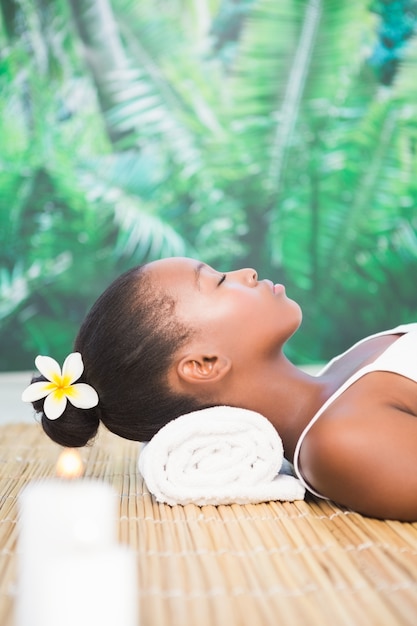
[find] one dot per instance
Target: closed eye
(222, 279)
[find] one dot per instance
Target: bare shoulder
(363, 452)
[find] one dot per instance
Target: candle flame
(69, 464)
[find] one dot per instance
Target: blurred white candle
(92, 587)
(57, 514)
(70, 568)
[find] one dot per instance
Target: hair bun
(74, 428)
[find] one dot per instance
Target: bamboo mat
(304, 563)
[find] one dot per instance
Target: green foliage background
(277, 135)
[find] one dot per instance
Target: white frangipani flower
(59, 386)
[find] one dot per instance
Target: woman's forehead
(173, 264)
(174, 270)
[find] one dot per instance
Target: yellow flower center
(61, 382)
(59, 393)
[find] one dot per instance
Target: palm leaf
(17, 284)
(296, 57)
(169, 96)
(126, 186)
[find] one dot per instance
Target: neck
(284, 394)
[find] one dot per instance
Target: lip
(272, 287)
(276, 289)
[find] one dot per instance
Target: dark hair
(127, 343)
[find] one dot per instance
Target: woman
(175, 335)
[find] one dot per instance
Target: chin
(296, 309)
(297, 316)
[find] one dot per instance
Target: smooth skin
(362, 451)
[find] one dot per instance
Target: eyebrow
(197, 273)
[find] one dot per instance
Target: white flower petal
(82, 396)
(37, 391)
(48, 367)
(54, 405)
(73, 368)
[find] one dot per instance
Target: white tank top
(400, 358)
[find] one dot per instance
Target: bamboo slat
(303, 563)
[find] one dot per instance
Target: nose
(247, 275)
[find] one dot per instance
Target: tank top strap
(400, 357)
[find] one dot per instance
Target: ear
(199, 368)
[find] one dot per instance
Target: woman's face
(233, 312)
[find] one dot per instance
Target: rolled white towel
(219, 455)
